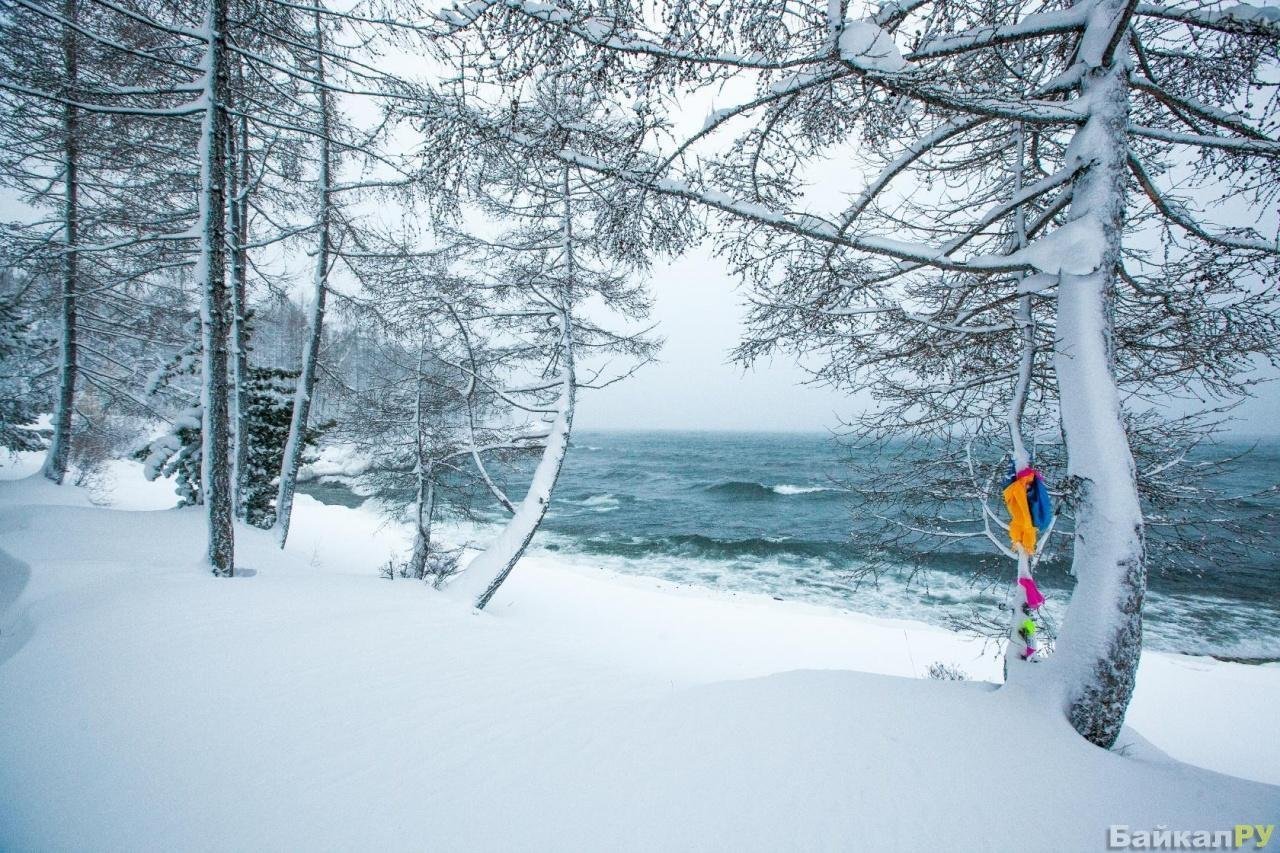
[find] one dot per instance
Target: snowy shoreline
(311, 703)
(641, 504)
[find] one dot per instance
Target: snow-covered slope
(309, 704)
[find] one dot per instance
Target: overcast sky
(699, 312)
(694, 386)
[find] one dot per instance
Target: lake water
(766, 513)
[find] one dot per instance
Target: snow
(335, 460)
(309, 704)
(1074, 249)
(18, 465)
(1238, 13)
(1249, 12)
(870, 48)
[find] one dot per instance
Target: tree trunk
(501, 556)
(495, 563)
(425, 508)
(424, 475)
(55, 462)
(238, 186)
(215, 475)
(315, 319)
(1098, 648)
(1015, 659)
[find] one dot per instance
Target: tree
(215, 306)
(1114, 105)
(414, 421)
(89, 148)
(178, 451)
(292, 458)
(269, 397)
(106, 92)
(21, 348)
(570, 243)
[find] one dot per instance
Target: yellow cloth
(1022, 532)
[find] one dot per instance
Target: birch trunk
(296, 440)
(55, 463)
(1098, 648)
(215, 482)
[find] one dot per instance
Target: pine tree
(269, 403)
(22, 349)
(269, 394)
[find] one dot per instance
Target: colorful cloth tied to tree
(1022, 531)
(1030, 509)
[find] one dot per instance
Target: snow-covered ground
(310, 704)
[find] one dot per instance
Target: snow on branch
(807, 226)
(1239, 19)
(1032, 26)
(1231, 121)
(870, 48)
(1255, 147)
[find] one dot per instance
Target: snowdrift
(308, 704)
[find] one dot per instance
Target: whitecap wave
(600, 503)
(788, 489)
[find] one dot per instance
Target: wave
(709, 547)
(787, 489)
(823, 573)
(747, 490)
(600, 503)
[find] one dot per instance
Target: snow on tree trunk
(315, 317)
(238, 187)
(424, 510)
(490, 568)
(215, 309)
(1098, 648)
(424, 475)
(1015, 659)
(55, 463)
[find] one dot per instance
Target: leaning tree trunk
(1097, 653)
(490, 568)
(294, 444)
(215, 473)
(495, 563)
(55, 462)
(501, 556)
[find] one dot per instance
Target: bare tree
(90, 99)
(573, 244)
